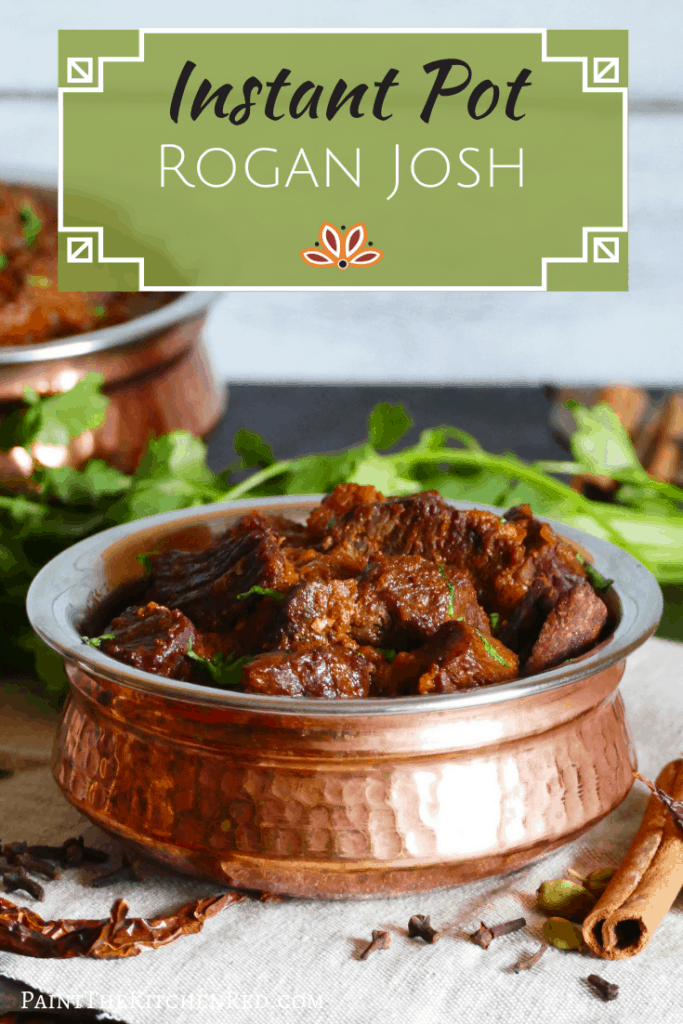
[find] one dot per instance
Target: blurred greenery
(671, 626)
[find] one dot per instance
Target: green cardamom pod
(598, 880)
(568, 899)
(562, 933)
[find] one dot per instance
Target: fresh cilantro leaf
(73, 486)
(97, 311)
(490, 649)
(55, 420)
(382, 473)
(32, 224)
(172, 474)
(388, 652)
(451, 589)
(264, 591)
(95, 641)
(599, 582)
(3, 261)
(494, 617)
(253, 449)
(601, 445)
(317, 474)
(145, 562)
(175, 456)
(224, 671)
(387, 424)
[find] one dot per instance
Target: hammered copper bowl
(157, 375)
(324, 798)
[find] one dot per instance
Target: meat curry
(372, 597)
(32, 309)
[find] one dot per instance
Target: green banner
(392, 160)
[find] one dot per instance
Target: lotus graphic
(341, 249)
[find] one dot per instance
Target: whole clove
(484, 935)
(605, 989)
(126, 873)
(71, 853)
(420, 928)
(530, 961)
(380, 940)
(31, 863)
(19, 879)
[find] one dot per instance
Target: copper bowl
(325, 798)
(157, 375)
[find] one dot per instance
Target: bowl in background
(157, 375)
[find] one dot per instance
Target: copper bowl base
(350, 808)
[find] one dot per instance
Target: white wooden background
(418, 338)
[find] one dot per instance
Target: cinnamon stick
(647, 882)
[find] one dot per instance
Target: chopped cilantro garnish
(98, 311)
(95, 641)
(490, 649)
(224, 671)
(451, 589)
(494, 616)
(3, 261)
(263, 591)
(388, 652)
(32, 224)
(145, 561)
(598, 582)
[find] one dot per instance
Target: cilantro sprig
(95, 641)
(263, 591)
(31, 224)
(451, 589)
(599, 582)
(224, 671)
(491, 650)
(145, 560)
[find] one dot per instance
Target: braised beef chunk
(339, 501)
(373, 597)
(403, 600)
(329, 672)
(459, 657)
(426, 525)
(294, 535)
(574, 625)
(206, 585)
(545, 555)
(520, 629)
(316, 613)
(154, 639)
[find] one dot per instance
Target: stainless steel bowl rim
(187, 307)
(60, 597)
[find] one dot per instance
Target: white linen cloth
(281, 963)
